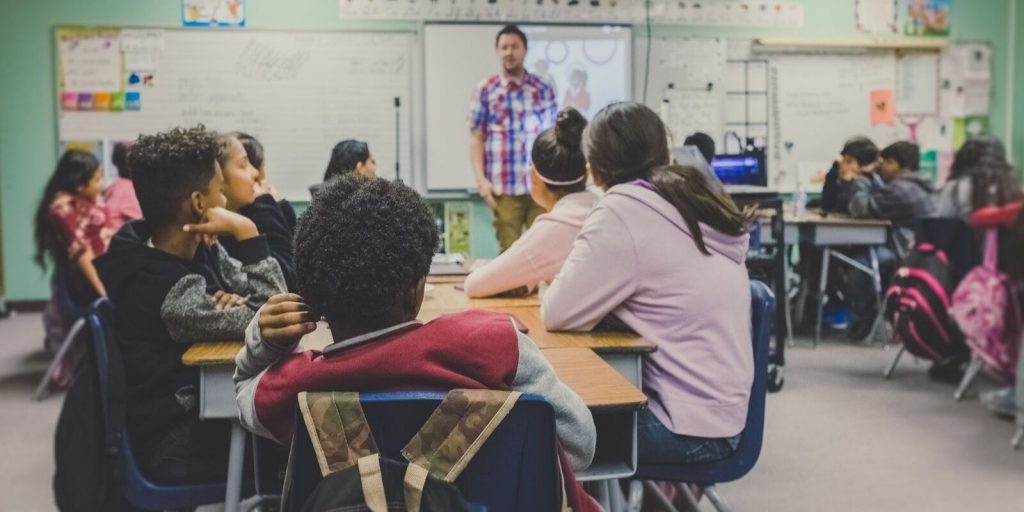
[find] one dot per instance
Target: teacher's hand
(486, 192)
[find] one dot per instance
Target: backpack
(986, 307)
(917, 305)
(86, 475)
(357, 478)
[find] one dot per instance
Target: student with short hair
(858, 156)
(248, 195)
(704, 144)
(559, 185)
(896, 191)
(72, 228)
(664, 252)
(120, 195)
(363, 250)
(173, 285)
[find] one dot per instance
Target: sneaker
(1002, 402)
(950, 371)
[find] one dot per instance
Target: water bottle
(800, 201)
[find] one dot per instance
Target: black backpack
(917, 305)
(88, 466)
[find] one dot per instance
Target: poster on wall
(213, 13)
(877, 16)
(928, 18)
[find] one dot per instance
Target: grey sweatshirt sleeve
(255, 274)
(250, 364)
(860, 198)
(190, 313)
(573, 421)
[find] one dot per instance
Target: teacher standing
(507, 113)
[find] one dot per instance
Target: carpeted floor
(839, 437)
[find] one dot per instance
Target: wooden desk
(444, 298)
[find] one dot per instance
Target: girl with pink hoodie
(663, 253)
(558, 183)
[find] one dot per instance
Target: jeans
(860, 287)
(656, 444)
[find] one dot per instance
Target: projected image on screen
(586, 73)
(588, 66)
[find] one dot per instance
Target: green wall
(28, 119)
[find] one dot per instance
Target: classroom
(513, 255)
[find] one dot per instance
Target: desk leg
(826, 253)
(236, 459)
(876, 280)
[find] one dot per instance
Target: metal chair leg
(42, 391)
(895, 361)
(636, 496)
(1018, 438)
(969, 376)
(822, 288)
(652, 490)
(876, 282)
(716, 500)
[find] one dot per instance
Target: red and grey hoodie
(473, 349)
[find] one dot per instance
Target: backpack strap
(338, 429)
(991, 256)
(457, 429)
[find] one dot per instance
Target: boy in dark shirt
(173, 285)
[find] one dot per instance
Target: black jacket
(163, 304)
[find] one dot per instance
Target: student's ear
(413, 298)
(197, 204)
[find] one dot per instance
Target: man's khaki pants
(511, 215)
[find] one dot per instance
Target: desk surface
(600, 386)
(600, 342)
(444, 298)
(815, 217)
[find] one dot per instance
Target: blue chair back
(62, 294)
(515, 470)
(762, 314)
(139, 491)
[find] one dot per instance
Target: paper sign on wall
(213, 13)
(883, 108)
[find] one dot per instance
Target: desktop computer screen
(744, 169)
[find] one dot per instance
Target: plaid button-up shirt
(511, 116)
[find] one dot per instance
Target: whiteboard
(299, 93)
(458, 57)
(817, 103)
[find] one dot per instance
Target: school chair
(139, 491)
(706, 476)
(515, 470)
(61, 295)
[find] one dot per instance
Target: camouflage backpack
(357, 478)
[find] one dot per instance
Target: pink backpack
(986, 308)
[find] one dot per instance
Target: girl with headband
(558, 183)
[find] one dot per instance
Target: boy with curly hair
(173, 285)
(362, 253)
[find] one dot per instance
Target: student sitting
(558, 184)
(248, 196)
(348, 156)
(663, 253)
(980, 176)
(174, 285)
(120, 195)
(895, 192)
(858, 156)
(72, 227)
(363, 250)
(704, 144)
(257, 157)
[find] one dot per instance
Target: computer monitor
(742, 169)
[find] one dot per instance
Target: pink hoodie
(635, 258)
(539, 254)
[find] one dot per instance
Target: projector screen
(573, 59)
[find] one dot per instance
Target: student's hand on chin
(284, 320)
(221, 221)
